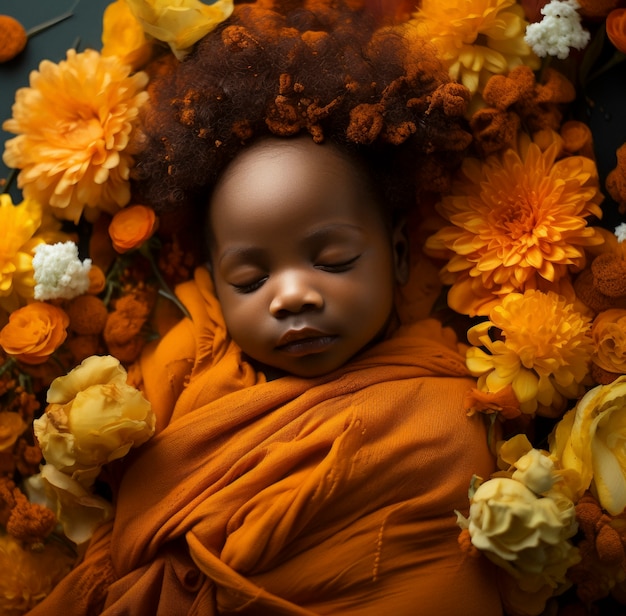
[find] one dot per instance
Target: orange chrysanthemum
(515, 223)
(476, 38)
(543, 351)
(73, 125)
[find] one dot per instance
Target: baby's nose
(294, 293)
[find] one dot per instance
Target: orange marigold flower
(29, 522)
(504, 402)
(13, 38)
(73, 125)
(475, 38)
(536, 103)
(34, 332)
(122, 332)
(131, 227)
(543, 351)
(88, 315)
(516, 222)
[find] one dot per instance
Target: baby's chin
(300, 369)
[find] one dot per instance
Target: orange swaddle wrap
(333, 495)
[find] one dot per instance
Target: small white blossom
(59, 273)
(620, 232)
(558, 31)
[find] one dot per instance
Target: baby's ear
(400, 247)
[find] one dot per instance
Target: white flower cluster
(620, 232)
(58, 272)
(558, 31)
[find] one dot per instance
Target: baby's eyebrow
(336, 228)
(241, 253)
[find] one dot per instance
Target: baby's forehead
(285, 156)
(294, 180)
(282, 168)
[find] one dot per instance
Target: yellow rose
(179, 23)
(93, 417)
(525, 534)
(123, 36)
(78, 511)
(590, 439)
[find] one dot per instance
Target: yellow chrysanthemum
(543, 351)
(517, 222)
(73, 125)
(18, 225)
(22, 228)
(28, 576)
(476, 38)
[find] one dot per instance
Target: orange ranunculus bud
(97, 280)
(34, 332)
(616, 28)
(13, 37)
(131, 227)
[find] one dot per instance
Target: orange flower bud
(12, 38)
(131, 227)
(616, 28)
(97, 280)
(34, 332)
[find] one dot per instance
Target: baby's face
(303, 262)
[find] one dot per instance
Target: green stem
(51, 22)
(7, 365)
(164, 289)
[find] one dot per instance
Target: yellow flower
(543, 351)
(476, 38)
(93, 417)
(18, 225)
(28, 576)
(591, 440)
(73, 125)
(525, 534)
(123, 36)
(78, 511)
(181, 23)
(517, 222)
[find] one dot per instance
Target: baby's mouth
(305, 341)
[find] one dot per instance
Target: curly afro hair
(289, 67)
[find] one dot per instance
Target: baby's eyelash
(342, 266)
(249, 288)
